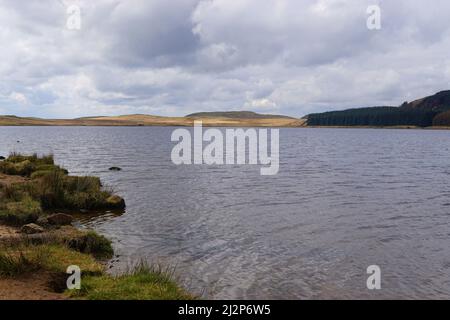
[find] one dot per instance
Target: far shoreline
(242, 119)
(230, 126)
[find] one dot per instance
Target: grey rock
(42, 221)
(31, 228)
(115, 202)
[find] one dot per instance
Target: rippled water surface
(344, 199)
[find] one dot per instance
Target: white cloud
(18, 97)
(261, 104)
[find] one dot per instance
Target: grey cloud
(150, 33)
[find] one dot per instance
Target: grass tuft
(144, 282)
(15, 157)
(92, 243)
(17, 262)
(23, 168)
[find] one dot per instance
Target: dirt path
(30, 287)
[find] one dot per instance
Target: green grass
(24, 168)
(57, 190)
(22, 165)
(143, 283)
(20, 212)
(26, 258)
(15, 157)
(87, 242)
(43, 170)
(60, 257)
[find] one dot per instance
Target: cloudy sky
(180, 56)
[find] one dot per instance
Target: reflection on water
(343, 200)
(91, 219)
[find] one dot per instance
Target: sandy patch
(30, 287)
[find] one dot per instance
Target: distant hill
(236, 115)
(426, 112)
(149, 120)
(440, 102)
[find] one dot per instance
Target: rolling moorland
(429, 112)
(219, 119)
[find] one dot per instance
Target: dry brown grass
(7, 180)
(148, 120)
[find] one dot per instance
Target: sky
(172, 58)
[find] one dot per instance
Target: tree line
(376, 116)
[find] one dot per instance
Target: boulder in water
(115, 202)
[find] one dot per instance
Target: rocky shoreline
(38, 242)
